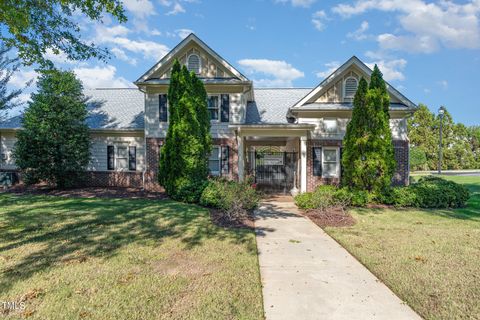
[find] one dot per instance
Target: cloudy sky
(429, 50)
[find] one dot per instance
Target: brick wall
(401, 176)
(125, 179)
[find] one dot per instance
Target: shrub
(402, 197)
(323, 197)
(233, 198)
(435, 192)
(360, 198)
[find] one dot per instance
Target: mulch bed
(218, 218)
(333, 217)
(90, 192)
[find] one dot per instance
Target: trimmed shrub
(233, 198)
(323, 197)
(360, 198)
(435, 192)
(403, 197)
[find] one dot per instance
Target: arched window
(193, 63)
(351, 85)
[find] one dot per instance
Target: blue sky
(429, 50)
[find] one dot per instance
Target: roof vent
(193, 63)
(351, 85)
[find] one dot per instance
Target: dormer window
(193, 63)
(350, 88)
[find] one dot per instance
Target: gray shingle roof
(271, 105)
(345, 106)
(107, 108)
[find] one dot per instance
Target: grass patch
(429, 258)
(124, 259)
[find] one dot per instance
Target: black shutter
(341, 163)
(110, 158)
(132, 158)
(224, 165)
(162, 102)
(225, 116)
(317, 161)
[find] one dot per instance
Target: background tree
(8, 66)
(183, 165)
(418, 159)
(33, 27)
(422, 135)
(368, 158)
(54, 143)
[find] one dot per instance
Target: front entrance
(273, 171)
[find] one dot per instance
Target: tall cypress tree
(184, 157)
(368, 157)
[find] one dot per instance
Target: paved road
(307, 275)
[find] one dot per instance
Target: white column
(303, 164)
(241, 158)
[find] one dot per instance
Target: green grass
(429, 258)
(124, 259)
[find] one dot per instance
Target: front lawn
(71, 258)
(429, 258)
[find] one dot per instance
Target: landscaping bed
(77, 258)
(333, 217)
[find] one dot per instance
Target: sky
(428, 50)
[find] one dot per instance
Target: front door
(273, 171)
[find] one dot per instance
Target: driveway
(307, 275)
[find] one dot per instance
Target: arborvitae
(368, 157)
(54, 145)
(184, 157)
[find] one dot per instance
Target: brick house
(289, 138)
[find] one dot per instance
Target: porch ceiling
(272, 130)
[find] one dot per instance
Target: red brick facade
(401, 176)
(126, 179)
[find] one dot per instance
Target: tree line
(460, 144)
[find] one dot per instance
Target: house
(289, 138)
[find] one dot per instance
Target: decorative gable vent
(193, 63)
(351, 85)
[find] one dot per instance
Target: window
(330, 162)
(214, 161)
(110, 158)
(122, 158)
(351, 85)
(214, 107)
(162, 107)
(317, 161)
(330, 126)
(193, 63)
(132, 158)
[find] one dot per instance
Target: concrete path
(307, 275)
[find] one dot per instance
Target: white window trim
(117, 157)
(337, 171)
(199, 62)
(345, 87)
(217, 173)
(219, 107)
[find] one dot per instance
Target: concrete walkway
(307, 275)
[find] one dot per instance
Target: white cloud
(318, 19)
(330, 68)
(391, 69)
(298, 3)
(443, 84)
(22, 77)
(359, 34)
(139, 8)
(101, 77)
(274, 73)
(426, 26)
(176, 9)
(121, 55)
(183, 33)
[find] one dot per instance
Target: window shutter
(225, 117)
(341, 163)
(317, 161)
(224, 164)
(162, 101)
(132, 158)
(110, 158)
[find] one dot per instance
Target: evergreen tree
(421, 132)
(184, 157)
(54, 145)
(368, 158)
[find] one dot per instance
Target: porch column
(241, 158)
(303, 164)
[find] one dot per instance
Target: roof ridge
(126, 88)
(280, 88)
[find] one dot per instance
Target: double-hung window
(122, 158)
(214, 161)
(330, 126)
(214, 107)
(330, 162)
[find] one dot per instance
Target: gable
(212, 66)
(331, 90)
